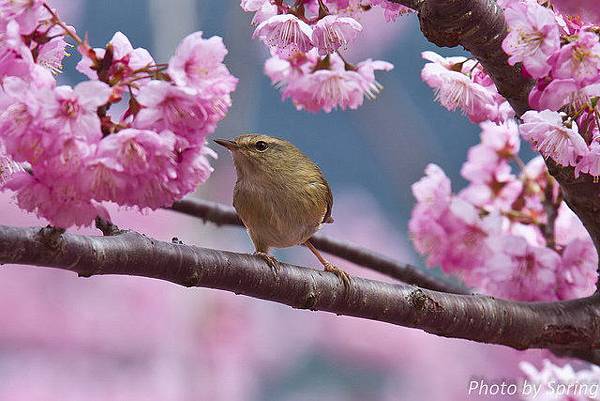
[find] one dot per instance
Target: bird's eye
(261, 146)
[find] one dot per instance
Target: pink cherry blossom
(590, 162)
(75, 109)
(8, 167)
(198, 63)
(179, 109)
(483, 234)
(285, 33)
(552, 95)
(65, 158)
(267, 11)
(51, 54)
(125, 58)
(20, 123)
(325, 90)
(252, 5)
(582, 383)
(484, 166)
(26, 13)
(504, 138)
(533, 36)
(589, 10)
(333, 32)
(578, 274)
(454, 89)
(520, 271)
(579, 59)
(55, 198)
(434, 189)
(315, 85)
(545, 132)
(133, 167)
(193, 168)
(392, 9)
(366, 70)
(428, 237)
(568, 227)
(15, 57)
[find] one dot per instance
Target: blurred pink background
(66, 338)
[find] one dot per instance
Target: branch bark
(224, 215)
(572, 325)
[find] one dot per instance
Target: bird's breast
(279, 215)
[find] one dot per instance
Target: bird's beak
(231, 145)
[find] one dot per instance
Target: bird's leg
(271, 261)
(263, 253)
(329, 267)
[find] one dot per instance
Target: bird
(280, 195)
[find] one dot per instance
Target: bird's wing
(329, 199)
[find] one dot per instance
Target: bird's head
(257, 155)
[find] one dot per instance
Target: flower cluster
(555, 383)
(562, 54)
(508, 235)
(74, 152)
(462, 83)
(305, 41)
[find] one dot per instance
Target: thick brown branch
(225, 215)
(559, 325)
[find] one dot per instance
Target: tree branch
(559, 325)
(224, 215)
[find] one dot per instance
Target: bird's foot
(329, 267)
(270, 260)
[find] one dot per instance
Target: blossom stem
(56, 19)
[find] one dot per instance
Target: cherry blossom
(519, 270)
(392, 9)
(74, 110)
(56, 198)
(198, 63)
(533, 36)
(558, 383)
(314, 84)
(286, 33)
(578, 272)
(125, 59)
(333, 32)
(579, 59)
(132, 168)
(546, 132)
(589, 10)
(26, 13)
(458, 85)
(179, 109)
(590, 162)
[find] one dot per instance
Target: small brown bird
(280, 195)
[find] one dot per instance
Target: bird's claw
(270, 260)
(329, 267)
